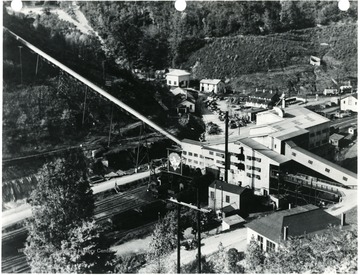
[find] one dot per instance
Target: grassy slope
(246, 60)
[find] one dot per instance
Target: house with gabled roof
(212, 85)
(178, 78)
(349, 103)
(272, 230)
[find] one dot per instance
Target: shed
(232, 222)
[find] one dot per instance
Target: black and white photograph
(179, 136)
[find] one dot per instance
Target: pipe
(95, 88)
(226, 145)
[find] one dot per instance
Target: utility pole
(83, 118)
(110, 125)
(103, 67)
(178, 239)
(21, 69)
(226, 145)
(199, 228)
(37, 64)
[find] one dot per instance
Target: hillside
(279, 60)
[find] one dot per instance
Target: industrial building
(279, 143)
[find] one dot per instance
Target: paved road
(22, 212)
(233, 239)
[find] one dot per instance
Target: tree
(163, 239)
(255, 257)
(62, 236)
(234, 257)
(334, 251)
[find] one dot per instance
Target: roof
(211, 81)
(177, 72)
(228, 209)
(231, 188)
(320, 159)
(300, 220)
(336, 136)
(291, 133)
(355, 95)
(233, 220)
(261, 149)
(193, 142)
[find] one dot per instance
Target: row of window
(253, 176)
(253, 158)
(326, 169)
(170, 82)
(190, 154)
(249, 167)
(270, 246)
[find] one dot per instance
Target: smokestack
(286, 229)
(283, 103)
(289, 205)
(343, 219)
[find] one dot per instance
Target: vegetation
(63, 238)
(334, 251)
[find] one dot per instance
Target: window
(257, 177)
(310, 161)
(220, 155)
(324, 131)
(318, 133)
(258, 159)
(275, 145)
(196, 162)
(196, 155)
(345, 178)
(294, 154)
(211, 153)
(190, 106)
(327, 170)
(201, 163)
(324, 141)
(190, 154)
(189, 160)
(174, 82)
(227, 199)
(317, 143)
(209, 158)
(248, 158)
(312, 134)
(184, 153)
(212, 194)
(270, 246)
(169, 82)
(257, 169)
(201, 156)
(261, 242)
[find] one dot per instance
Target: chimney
(343, 219)
(289, 205)
(283, 103)
(286, 229)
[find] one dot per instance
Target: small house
(232, 222)
(223, 196)
(185, 103)
(178, 78)
(349, 103)
(270, 231)
(212, 85)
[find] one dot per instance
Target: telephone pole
(21, 69)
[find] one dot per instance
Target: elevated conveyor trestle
(95, 88)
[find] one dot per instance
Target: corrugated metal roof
(300, 220)
(233, 220)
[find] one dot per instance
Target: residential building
(212, 85)
(272, 230)
(178, 78)
(178, 90)
(262, 99)
(185, 103)
(349, 102)
(222, 195)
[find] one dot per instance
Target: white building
(178, 78)
(349, 103)
(254, 159)
(212, 85)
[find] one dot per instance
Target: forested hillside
(155, 35)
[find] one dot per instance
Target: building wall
(319, 165)
(349, 103)
(215, 201)
(206, 87)
(251, 233)
(189, 105)
(174, 80)
(319, 135)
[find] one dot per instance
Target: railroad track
(15, 264)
